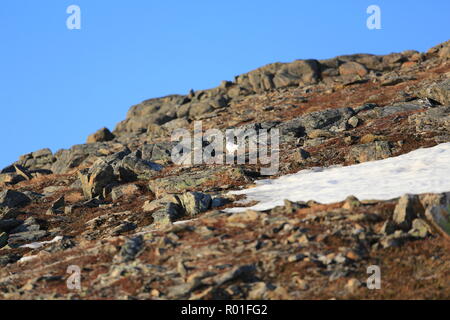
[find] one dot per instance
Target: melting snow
(420, 171)
(36, 245)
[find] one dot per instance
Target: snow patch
(420, 171)
(37, 245)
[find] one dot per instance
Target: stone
(437, 212)
(193, 180)
(195, 202)
(353, 285)
(318, 133)
(218, 202)
(21, 171)
(419, 229)
(3, 239)
(388, 227)
(123, 227)
(30, 224)
(6, 225)
(369, 138)
(301, 155)
(130, 249)
(95, 179)
(245, 272)
(83, 154)
(369, 152)
(169, 213)
(127, 190)
(153, 205)
(351, 202)
(439, 92)
(17, 239)
(57, 206)
(397, 239)
(432, 119)
(100, 136)
(40, 159)
(10, 178)
(353, 68)
(132, 167)
(353, 121)
(13, 199)
(407, 209)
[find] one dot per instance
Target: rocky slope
(140, 226)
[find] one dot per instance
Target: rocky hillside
(142, 227)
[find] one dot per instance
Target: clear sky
(58, 85)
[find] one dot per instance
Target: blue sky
(57, 85)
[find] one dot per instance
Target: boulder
(377, 150)
(353, 68)
(100, 136)
(132, 167)
(127, 191)
(437, 212)
(195, 202)
(407, 209)
(432, 119)
(439, 92)
(41, 159)
(13, 199)
(95, 179)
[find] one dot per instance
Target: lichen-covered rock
(95, 179)
(195, 202)
(369, 152)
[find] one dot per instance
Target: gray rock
(195, 202)
(393, 109)
(245, 272)
(13, 199)
(158, 151)
(439, 92)
(6, 225)
(69, 159)
(133, 167)
(169, 213)
(369, 152)
(437, 212)
(30, 224)
(219, 202)
(9, 258)
(431, 120)
(301, 155)
(407, 209)
(95, 179)
(41, 159)
(21, 238)
(335, 119)
(130, 249)
(124, 191)
(397, 239)
(57, 206)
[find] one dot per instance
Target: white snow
(36, 245)
(420, 171)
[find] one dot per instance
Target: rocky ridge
(140, 226)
